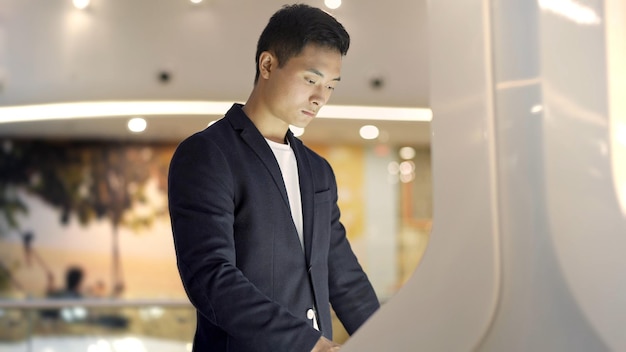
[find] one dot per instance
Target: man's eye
(311, 81)
(331, 87)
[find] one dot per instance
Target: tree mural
(88, 180)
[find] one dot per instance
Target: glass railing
(96, 325)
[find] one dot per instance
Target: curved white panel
(553, 205)
(448, 303)
(582, 161)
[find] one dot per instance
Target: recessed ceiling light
(137, 124)
(369, 132)
(332, 4)
(81, 4)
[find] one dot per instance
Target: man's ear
(267, 63)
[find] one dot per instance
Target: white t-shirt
(289, 168)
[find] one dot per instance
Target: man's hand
(325, 345)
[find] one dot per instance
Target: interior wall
(63, 194)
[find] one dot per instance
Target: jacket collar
(253, 137)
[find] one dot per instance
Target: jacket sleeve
(351, 293)
(201, 203)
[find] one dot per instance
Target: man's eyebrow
(317, 72)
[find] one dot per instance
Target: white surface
(96, 344)
(586, 224)
(557, 97)
(447, 304)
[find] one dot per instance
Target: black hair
(292, 27)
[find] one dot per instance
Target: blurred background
(94, 97)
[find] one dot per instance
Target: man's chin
(302, 123)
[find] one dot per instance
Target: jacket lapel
(251, 136)
(306, 192)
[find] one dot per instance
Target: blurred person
(72, 289)
(260, 247)
(73, 281)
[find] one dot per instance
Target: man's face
(296, 91)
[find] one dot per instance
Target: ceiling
(119, 51)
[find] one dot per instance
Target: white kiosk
(527, 251)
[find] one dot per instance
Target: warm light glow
(82, 110)
(81, 4)
(137, 124)
(619, 134)
(407, 153)
(196, 1)
(332, 4)
(375, 113)
(407, 171)
(100, 346)
(393, 167)
(536, 109)
(128, 344)
(572, 10)
(369, 132)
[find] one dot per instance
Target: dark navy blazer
(238, 252)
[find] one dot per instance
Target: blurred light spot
(382, 150)
(407, 178)
(129, 344)
(156, 312)
(151, 313)
(137, 124)
(407, 153)
(407, 171)
(369, 132)
(393, 168)
(100, 346)
(536, 109)
(407, 167)
(332, 4)
(81, 4)
(80, 313)
(572, 10)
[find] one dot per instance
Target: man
(259, 245)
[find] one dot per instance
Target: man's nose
(320, 96)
